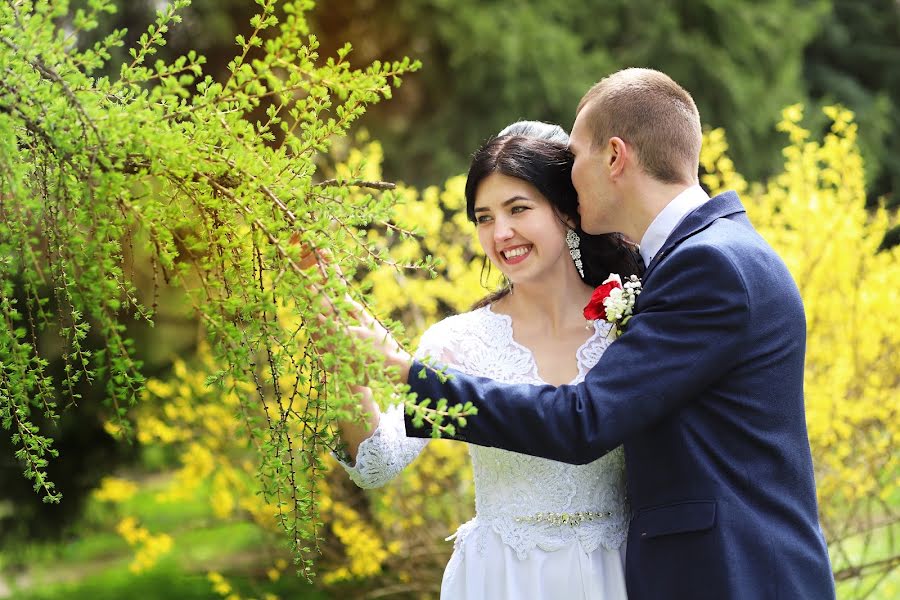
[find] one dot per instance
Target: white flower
(613, 277)
(616, 304)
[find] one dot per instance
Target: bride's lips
(516, 254)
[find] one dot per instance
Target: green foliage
(163, 157)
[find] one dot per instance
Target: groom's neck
(647, 201)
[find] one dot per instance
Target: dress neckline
(599, 330)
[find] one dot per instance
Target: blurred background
(121, 530)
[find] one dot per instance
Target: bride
(543, 529)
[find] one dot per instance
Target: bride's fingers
(359, 311)
(327, 327)
(351, 308)
(309, 255)
(380, 337)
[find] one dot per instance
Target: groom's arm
(694, 312)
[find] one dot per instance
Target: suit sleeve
(688, 331)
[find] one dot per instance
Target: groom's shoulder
(734, 238)
(733, 245)
(726, 252)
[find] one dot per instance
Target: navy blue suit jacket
(705, 391)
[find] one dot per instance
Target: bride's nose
(502, 230)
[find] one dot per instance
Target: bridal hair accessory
(573, 242)
(614, 301)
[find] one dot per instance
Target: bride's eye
(518, 209)
(482, 219)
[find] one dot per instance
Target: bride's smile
(516, 254)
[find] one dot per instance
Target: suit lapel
(723, 205)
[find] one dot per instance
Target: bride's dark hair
(538, 153)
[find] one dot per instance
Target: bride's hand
(309, 256)
(369, 327)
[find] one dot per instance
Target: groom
(704, 388)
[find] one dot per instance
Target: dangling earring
(573, 242)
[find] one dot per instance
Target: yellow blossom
(113, 489)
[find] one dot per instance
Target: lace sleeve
(387, 451)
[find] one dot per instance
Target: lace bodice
(529, 501)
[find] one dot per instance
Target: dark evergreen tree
(855, 60)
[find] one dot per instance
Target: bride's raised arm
(353, 431)
(377, 446)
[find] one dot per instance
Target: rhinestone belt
(576, 518)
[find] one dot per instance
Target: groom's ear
(618, 154)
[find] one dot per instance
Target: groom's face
(590, 178)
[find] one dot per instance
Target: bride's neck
(552, 308)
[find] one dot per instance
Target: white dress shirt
(668, 219)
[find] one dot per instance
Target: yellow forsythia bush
(814, 214)
(392, 539)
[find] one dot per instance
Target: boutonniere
(613, 301)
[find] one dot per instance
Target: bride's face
(519, 229)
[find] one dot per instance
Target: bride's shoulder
(456, 325)
(450, 340)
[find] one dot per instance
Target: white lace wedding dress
(543, 529)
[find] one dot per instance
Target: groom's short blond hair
(651, 113)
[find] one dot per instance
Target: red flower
(595, 309)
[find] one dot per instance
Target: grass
(869, 547)
(94, 563)
(165, 582)
(159, 584)
(877, 544)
